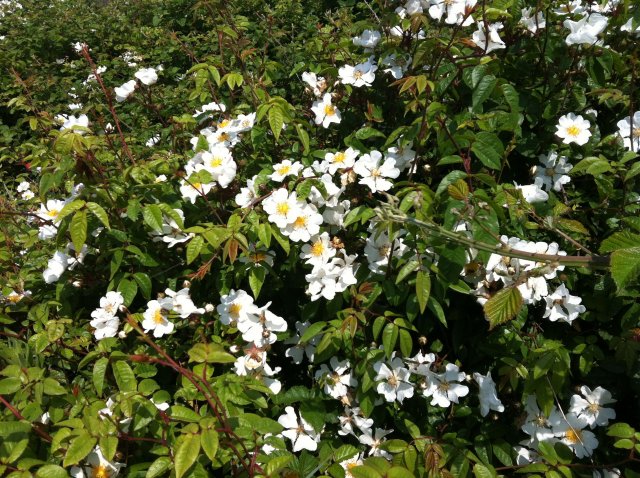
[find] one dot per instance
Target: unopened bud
(186, 284)
(209, 308)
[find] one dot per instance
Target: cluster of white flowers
(585, 410)
(156, 317)
(629, 131)
(146, 76)
(50, 211)
(76, 124)
(379, 248)
(13, 297)
(105, 321)
(24, 188)
(530, 278)
(62, 261)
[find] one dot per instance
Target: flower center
(593, 408)
(375, 173)
(300, 222)
(234, 310)
(549, 172)
(444, 386)
(384, 250)
(329, 110)
(157, 317)
(573, 130)
(635, 132)
(53, 213)
(339, 158)
(317, 249)
(393, 380)
(573, 436)
(14, 299)
(258, 257)
(223, 123)
(100, 471)
(541, 421)
(216, 162)
(224, 136)
(357, 74)
(283, 170)
(196, 186)
(110, 308)
(282, 208)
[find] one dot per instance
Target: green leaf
(69, 208)
(304, 138)
(158, 467)
(99, 371)
(100, 213)
(78, 230)
(389, 338)
(209, 441)
(178, 412)
(368, 132)
(144, 284)
(128, 289)
(109, 446)
(210, 353)
(481, 471)
(79, 448)
(489, 150)
(364, 471)
(423, 289)
(398, 472)
(52, 387)
(186, 452)
(406, 343)
(620, 240)
(256, 279)
(276, 120)
(152, 215)
(503, 306)
(193, 248)
(283, 241)
(625, 266)
(482, 92)
(407, 269)
(125, 378)
(51, 471)
(10, 385)
(621, 430)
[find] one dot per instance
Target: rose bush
(340, 238)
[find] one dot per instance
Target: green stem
(390, 213)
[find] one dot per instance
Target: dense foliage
(337, 238)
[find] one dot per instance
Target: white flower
(573, 129)
(374, 441)
(394, 383)
(628, 27)
(56, 267)
(156, 320)
(590, 408)
(111, 302)
(147, 76)
(284, 169)
(444, 388)
(532, 23)
(355, 460)
(374, 172)
(488, 396)
(259, 328)
(336, 380)
(192, 190)
(317, 84)
(567, 7)
(479, 37)
(152, 141)
(368, 39)
(247, 195)
(171, 232)
(629, 132)
(526, 456)
(104, 323)
(351, 417)
(124, 91)
(326, 113)
(219, 162)
(572, 433)
(282, 207)
(306, 224)
(340, 160)
(328, 279)
(237, 307)
(456, 11)
(213, 106)
(300, 349)
(561, 305)
(533, 193)
(537, 425)
(552, 174)
(244, 122)
(378, 250)
(319, 251)
(97, 466)
(397, 65)
(586, 30)
(180, 302)
(362, 74)
(609, 473)
(299, 431)
(72, 123)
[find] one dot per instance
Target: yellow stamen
(317, 249)
(234, 310)
(573, 130)
(283, 170)
(301, 221)
(329, 110)
(216, 162)
(573, 436)
(282, 208)
(100, 471)
(53, 213)
(339, 158)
